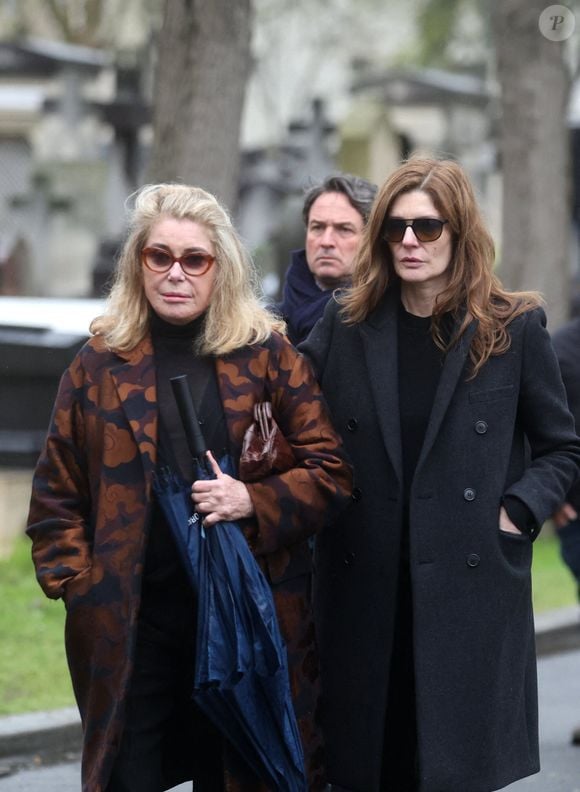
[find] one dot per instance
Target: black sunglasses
(426, 229)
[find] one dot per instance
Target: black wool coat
(508, 430)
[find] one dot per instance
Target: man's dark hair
(359, 192)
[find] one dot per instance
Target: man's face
(332, 238)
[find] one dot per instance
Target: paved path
(60, 778)
(559, 680)
(559, 687)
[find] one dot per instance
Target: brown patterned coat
(90, 510)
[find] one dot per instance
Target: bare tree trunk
(534, 146)
(203, 64)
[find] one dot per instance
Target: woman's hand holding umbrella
(241, 671)
(222, 498)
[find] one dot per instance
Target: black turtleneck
(420, 362)
(175, 354)
(174, 346)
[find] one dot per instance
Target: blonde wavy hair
(235, 316)
(473, 290)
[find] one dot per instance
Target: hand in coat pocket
(505, 524)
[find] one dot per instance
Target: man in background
(566, 520)
(335, 213)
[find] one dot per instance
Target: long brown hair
(473, 290)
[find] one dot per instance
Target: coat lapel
(453, 366)
(380, 340)
(379, 335)
(137, 391)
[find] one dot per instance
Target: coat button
(469, 494)
(480, 427)
(356, 494)
(473, 560)
(348, 559)
(352, 424)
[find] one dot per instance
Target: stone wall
(14, 498)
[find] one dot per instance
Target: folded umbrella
(241, 674)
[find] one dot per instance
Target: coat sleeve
(547, 423)
(60, 500)
(317, 345)
(293, 505)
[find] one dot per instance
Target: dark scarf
(303, 302)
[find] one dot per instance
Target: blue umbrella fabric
(241, 674)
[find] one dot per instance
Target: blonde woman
(448, 395)
(183, 302)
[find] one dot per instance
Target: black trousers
(399, 769)
(161, 717)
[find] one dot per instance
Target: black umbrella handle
(193, 434)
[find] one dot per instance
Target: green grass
(553, 583)
(33, 670)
